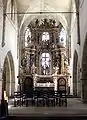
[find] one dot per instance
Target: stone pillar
(84, 90)
(0, 84)
(0, 89)
(78, 82)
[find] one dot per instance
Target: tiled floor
(74, 107)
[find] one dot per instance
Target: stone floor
(75, 107)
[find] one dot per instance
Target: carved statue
(33, 69)
(47, 69)
(37, 23)
(42, 70)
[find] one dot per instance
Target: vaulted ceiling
(56, 5)
(27, 6)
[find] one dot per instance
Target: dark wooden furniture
(42, 97)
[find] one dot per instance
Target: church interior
(43, 57)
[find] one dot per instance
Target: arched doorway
(28, 86)
(84, 72)
(8, 75)
(75, 61)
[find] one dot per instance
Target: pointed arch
(84, 71)
(8, 75)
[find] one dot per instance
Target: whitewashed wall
(11, 32)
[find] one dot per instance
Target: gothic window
(62, 36)
(45, 63)
(45, 36)
(27, 37)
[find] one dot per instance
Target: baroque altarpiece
(44, 57)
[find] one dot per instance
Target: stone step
(47, 117)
